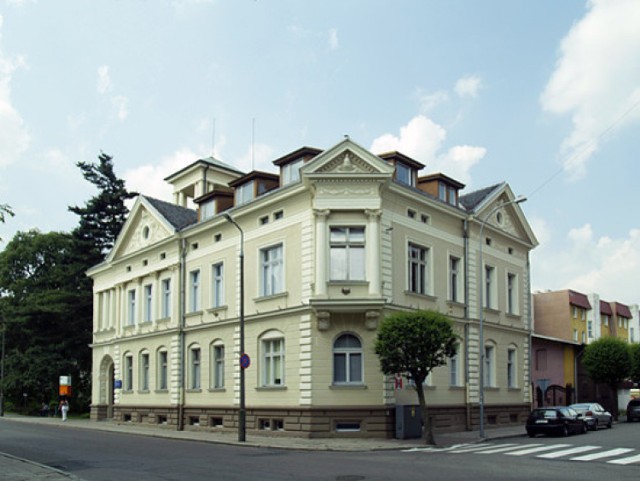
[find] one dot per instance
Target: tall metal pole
(242, 412)
(4, 328)
(481, 353)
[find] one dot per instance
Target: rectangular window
(454, 368)
(217, 285)
(454, 279)
(590, 328)
(489, 283)
(132, 307)
(452, 196)
(575, 312)
(166, 298)
(163, 370)
(207, 209)
(584, 337)
(606, 320)
(194, 354)
(575, 335)
(489, 364)
(511, 368)
(347, 253)
(273, 362)
(272, 281)
(512, 290)
(128, 373)
(194, 291)
(291, 172)
(244, 193)
(442, 192)
(218, 367)
(404, 174)
(148, 303)
(418, 269)
(144, 372)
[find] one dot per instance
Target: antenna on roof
(253, 143)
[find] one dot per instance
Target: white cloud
(423, 139)
(149, 180)
(104, 80)
(14, 136)
(468, 86)
(597, 78)
(587, 263)
(430, 101)
(333, 39)
(120, 103)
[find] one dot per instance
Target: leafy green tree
(46, 335)
(634, 353)
(415, 343)
(5, 210)
(608, 361)
(104, 214)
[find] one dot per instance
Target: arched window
(127, 371)
(272, 347)
(217, 364)
(143, 378)
(195, 360)
(347, 360)
(512, 366)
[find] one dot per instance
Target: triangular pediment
(501, 211)
(144, 227)
(347, 159)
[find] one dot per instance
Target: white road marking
(507, 448)
(566, 452)
(603, 454)
(482, 447)
(536, 450)
(629, 460)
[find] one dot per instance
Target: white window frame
(217, 365)
(418, 269)
(245, 193)
(405, 175)
(345, 356)
(489, 365)
(272, 270)
(128, 371)
(291, 172)
(163, 369)
(513, 293)
(347, 255)
(148, 302)
(194, 290)
(144, 371)
(217, 284)
(455, 278)
(273, 359)
(131, 304)
(195, 367)
(512, 367)
(489, 279)
(166, 297)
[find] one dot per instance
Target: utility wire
(587, 146)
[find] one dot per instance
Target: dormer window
(291, 172)
(207, 209)
(404, 174)
(244, 193)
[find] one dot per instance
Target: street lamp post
(481, 348)
(242, 413)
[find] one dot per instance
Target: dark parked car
(559, 420)
(633, 410)
(594, 415)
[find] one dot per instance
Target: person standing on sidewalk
(64, 409)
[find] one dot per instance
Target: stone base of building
(312, 422)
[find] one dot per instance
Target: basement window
(347, 426)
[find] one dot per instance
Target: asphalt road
(101, 456)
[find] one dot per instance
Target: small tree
(414, 343)
(634, 353)
(608, 361)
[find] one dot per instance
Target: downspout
(465, 236)
(530, 329)
(181, 324)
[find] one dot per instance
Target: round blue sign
(245, 361)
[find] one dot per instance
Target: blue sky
(542, 94)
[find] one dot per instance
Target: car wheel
(610, 423)
(531, 434)
(565, 431)
(594, 426)
(584, 428)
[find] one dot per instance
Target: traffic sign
(245, 361)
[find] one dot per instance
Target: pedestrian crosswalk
(570, 452)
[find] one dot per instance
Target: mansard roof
(179, 217)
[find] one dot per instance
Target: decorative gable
(347, 163)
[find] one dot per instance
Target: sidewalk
(14, 469)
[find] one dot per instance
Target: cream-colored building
(334, 243)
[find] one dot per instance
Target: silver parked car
(594, 415)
